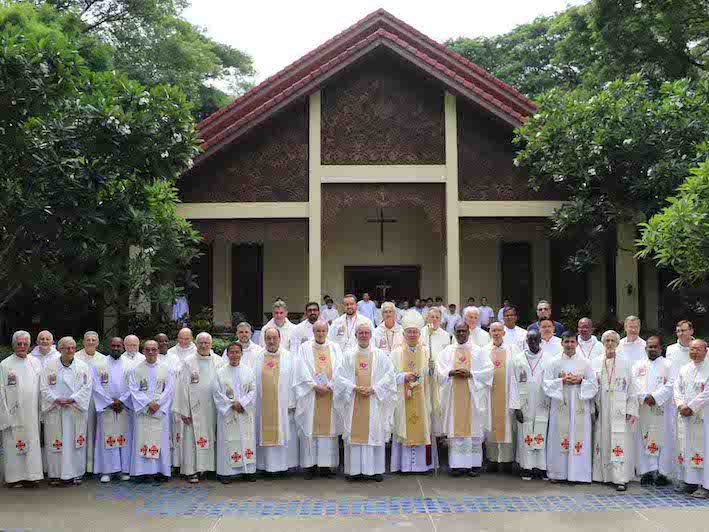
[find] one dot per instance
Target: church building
(381, 161)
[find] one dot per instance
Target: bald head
(698, 351)
(151, 349)
(184, 337)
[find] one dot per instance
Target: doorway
(516, 266)
(247, 283)
(384, 283)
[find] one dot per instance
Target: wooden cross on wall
(381, 221)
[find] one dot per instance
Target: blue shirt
(558, 328)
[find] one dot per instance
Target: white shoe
(194, 479)
(105, 478)
(125, 477)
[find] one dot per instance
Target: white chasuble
(342, 330)
(613, 433)
(691, 389)
(527, 395)
(236, 432)
(194, 399)
(113, 439)
(654, 437)
(285, 330)
(387, 339)
(569, 451)
(91, 361)
(436, 341)
(65, 427)
(19, 418)
(172, 360)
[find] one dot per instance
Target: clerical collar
(272, 352)
(363, 349)
(498, 346)
(205, 356)
(590, 339)
(628, 340)
(412, 349)
(529, 353)
(65, 365)
(572, 355)
(151, 363)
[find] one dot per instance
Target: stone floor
(494, 502)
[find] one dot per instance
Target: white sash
(652, 417)
(148, 427)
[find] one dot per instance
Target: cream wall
(285, 273)
(410, 241)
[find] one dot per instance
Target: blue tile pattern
(194, 501)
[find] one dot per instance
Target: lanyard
(533, 368)
(612, 373)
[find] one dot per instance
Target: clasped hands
(117, 406)
(321, 389)
(460, 373)
(365, 391)
(570, 378)
(64, 402)
(685, 411)
(236, 405)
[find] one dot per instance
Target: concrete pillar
(221, 275)
(452, 199)
(314, 202)
(626, 273)
(598, 293)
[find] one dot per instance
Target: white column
(626, 272)
(452, 218)
(221, 276)
(314, 202)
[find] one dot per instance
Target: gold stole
(360, 412)
(414, 405)
(499, 395)
(270, 374)
(463, 408)
(322, 417)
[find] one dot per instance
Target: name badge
(230, 393)
(52, 379)
(143, 386)
(523, 376)
(12, 379)
(194, 378)
(341, 331)
(104, 377)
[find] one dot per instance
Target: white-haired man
(194, 402)
(342, 330)
(45, 349)
(276, 435)
(131, 343)
(365, 388)
(65, 385)
(19, 414)
(281, 322)
(478, 337)
(632, 347)
(413, 449)
(185, 346)
(388, 335)
(678, 353)
(315, 415)
(89, 355)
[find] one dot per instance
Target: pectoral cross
(381, 221)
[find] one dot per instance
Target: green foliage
(90, 165)
(616, 153)
(678, 236)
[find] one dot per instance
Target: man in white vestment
(315, 414)
(185, 346)
(531, 407)
(413, 448)
(654, 439)
(551, 345)
(366, 307)
(184, 349)
(152, 388)
(65, 386)
(465, 377)
(632, 347)
(175, 364)
(45, 350)
(244, 332)
(132, 347)
(194, 403)
(114, 425)
(277, 448)
(571, 384)
(303, 332)
(329, 313)
(499, 439)
(234, 393)
(478, 336)
(342, 330)
(453, 318)
(281, 322)
(691, 397)
(19, 414)
(678, 353)
(589, 347)
(90, 356)
(617, 407)
(514, 334)
(388, 335)
(436, 338)
(365, 388)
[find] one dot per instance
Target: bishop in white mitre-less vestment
(691, 393)
(465, 376)
(194, 400)
(412, 449)
(364, 393)
(617, 404)
(91, 359)
(528, 397)
(19, 416)
(499, 439)
(654, 439)
(315, 415)
(276, 435)
(151, 383)
(114, 427)
(569, 451)
(65, 426)
(235, 386)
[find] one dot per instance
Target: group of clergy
(570, 409)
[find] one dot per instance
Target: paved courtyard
(418, 503)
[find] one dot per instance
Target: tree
(90, 161)
(616, 153)
(678, 236)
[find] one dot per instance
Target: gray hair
(543, 302)
(46, 331)
(610, 333)
(20, 334)
(435, 309)
(65, 340)
(270, 328)
(362, 326)
(466, 310)
(497, 323)
(388, 305)
(279, 303)
(631, 318)
(88, 334)
(203, 334)
(245, 324)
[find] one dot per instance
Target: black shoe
(326, 472)
(474, 472)
(648, 479)
(30, 484)
(683, 487)
(492, 467)
(539, 474)
(526, 474)
(349, 478)
(378, 478)
(249, 477)
(311, 473)
(662, 480)
(457, 473)
(225, 480)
